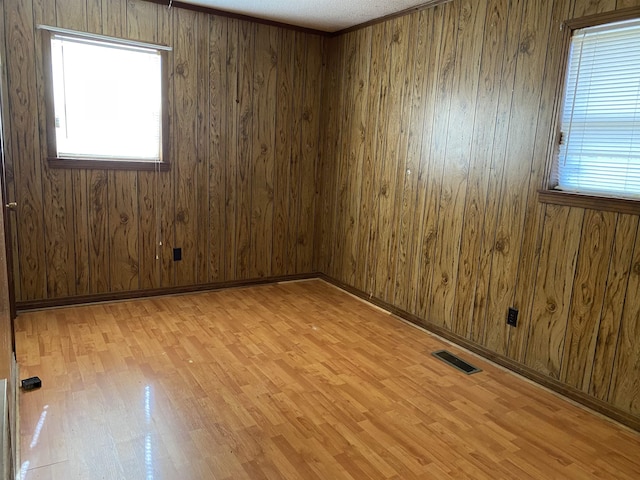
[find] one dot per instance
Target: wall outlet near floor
(177, 254)
(512, 317)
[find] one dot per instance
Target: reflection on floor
(296, 380)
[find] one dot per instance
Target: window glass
(600, 147)
(107, 100)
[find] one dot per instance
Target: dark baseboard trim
(552, 384)
(155, 292)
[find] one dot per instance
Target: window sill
(593, 202)
(140, 165)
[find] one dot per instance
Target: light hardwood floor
(296, 380)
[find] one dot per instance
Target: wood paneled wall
(240, 198)
(437, 134)
(433, 131)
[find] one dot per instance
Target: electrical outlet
(177, 254)
(512, 317)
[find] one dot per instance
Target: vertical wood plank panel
(231, 188)
(382, 50)
(409, 47)
(359, 187)
(186, 160)
(625, 382)
(345, 163)
(397, 44)
(614, 300)
(493, 52)
(419, 245)
(308, 155)
(283, 140)
(263, 164)
(554, 285)
(587, 299)
(299, 60)
(328, 150)
(123, 223)
(202, 225)
(218, 100)
(444, 81)
(454, 182)
(99, 245)
(25, 156)
(496, 161)
(369, 161)
(415, 111)
(245, 125)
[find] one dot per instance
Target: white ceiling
(326, 15)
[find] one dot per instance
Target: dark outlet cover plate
(177, 254)
(512, 317)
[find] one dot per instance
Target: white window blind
(107, 99)
(600, 147)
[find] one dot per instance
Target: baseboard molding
(552, 384)
(23, 306)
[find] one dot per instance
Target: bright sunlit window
(600, 147)
(107, 100)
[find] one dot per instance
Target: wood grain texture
(301, 162)
(246, 49)
(296, 380)
(587, 300)
(473, 115)
(624, 391)
(471, 16)
(25, 145)
(93, 231)
(488, 96)
(218, 145)
(544, 147)
(614, 300)
(310, 115)
(283, 145)
(263, 160)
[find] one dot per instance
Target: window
(105, 101)
(600, 122)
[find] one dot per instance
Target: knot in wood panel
(182, 217)
(502, 245)
(23, 98)
(124, 218)
(307, 115)
(182, 69)
(527, 44)
(636, 268)
(552, 306)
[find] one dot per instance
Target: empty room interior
(238, 234)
